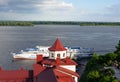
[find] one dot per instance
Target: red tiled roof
(14, 74)
(65, 79)
(60, 74)
(62, 77)
(62, 62)
(38, 69)
(53, 75)
(67, 71)
(57, 46)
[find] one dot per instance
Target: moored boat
(31, 53)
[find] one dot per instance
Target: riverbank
(31, 23)
(16, 23)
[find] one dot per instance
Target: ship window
(63, 54)
(58, 55)
(52, 54)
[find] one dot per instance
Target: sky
(60, 10)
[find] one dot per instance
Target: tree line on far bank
(31, 23)
(77, 23)
(15, 23)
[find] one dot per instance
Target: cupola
(57, 50)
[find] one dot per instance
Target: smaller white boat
(30, 53)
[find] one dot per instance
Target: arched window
(63, 54)
(52, 55)
(58, 55)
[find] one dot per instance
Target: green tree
(111, 56)
(118, 48)
(115, 80)
(93, 76)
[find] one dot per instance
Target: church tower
(57, 50)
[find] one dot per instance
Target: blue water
(15, 38)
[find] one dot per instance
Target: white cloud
(114, 8)
(54, 5)
(3, 2)
(37, 10)
(55, 10)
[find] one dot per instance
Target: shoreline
(32, 23)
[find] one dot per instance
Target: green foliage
(95, 71)
(111, 71)
(93, 76)
(110, 56)
(118, 48)
(118, 57)
(105, 79)
(108, 72)
(118, 51)
(15, 23)
(94, 60)
(115, 80)
(100, 24)
(78, 23)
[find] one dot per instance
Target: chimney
(21, 68)
(39, 58)
(58, 60)
(0, 68)
(67, 60)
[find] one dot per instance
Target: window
(52, 54)
(63, 54)
(58, 55)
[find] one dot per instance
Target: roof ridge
(67, 71)
(57, 46)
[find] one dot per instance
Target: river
(15, 38)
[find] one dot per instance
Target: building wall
(76, 79)
(54, 54)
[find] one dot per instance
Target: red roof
(63, 77)
(67, 71)
(62, 62)
(38, 69)
(57, 46)
(14, 74)
(54, 75)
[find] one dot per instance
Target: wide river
(15, 38)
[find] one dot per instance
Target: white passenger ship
(30, 53)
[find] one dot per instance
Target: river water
(15, 38)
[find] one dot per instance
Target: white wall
(55, 54)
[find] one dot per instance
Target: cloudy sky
(60, 10)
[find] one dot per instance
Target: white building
(62, 66)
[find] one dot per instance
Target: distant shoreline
(32, 23)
